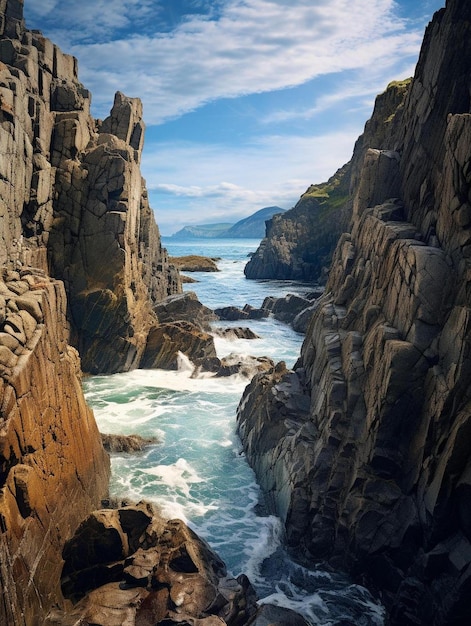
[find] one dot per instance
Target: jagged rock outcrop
(73, 206)
(365, 448)
(299, 243)
(130, 566)
(53, 469)
(72, 199)
(166, 341)
(185, 307)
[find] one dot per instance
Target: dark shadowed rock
(371, 473)
(131, 566)
(235, 333)
(272, 615)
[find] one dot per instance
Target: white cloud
(254, 46)
(182, 177)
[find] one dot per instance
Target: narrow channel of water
(197, 471)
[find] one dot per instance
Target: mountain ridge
(252, 226)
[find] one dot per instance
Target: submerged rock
(126, 443)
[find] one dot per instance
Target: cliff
(299, 244)
(364, 449)
(81, 270)
(53, 469)
(72, 199)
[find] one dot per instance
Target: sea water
(196, 470)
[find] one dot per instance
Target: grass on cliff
(332, 195)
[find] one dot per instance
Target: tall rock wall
(365, 449)
(81, 263)
(53, 469)
(72, 199)
(299, 244)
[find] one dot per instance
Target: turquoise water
(197, 471)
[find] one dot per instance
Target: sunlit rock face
(53, 469)
(72, 199)
(365, 448)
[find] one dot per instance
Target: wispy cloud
(181, 176)
(253, 46)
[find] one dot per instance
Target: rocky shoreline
(362, 449)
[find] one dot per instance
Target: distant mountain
(254, 225)
(250, 227)
(204, 231)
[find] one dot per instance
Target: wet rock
(246, 366)
(126, 443)
(235, 333)
(166, 341)
(231, 313)
(186, 307)
(287, 308)
(164, 574)
(272, 615)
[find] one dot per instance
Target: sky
(246, 102)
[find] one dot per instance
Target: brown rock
(126, 443)
(52, 465)
(167, 340)
(195, 263)
(167, 574)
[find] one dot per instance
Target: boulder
(186, 307)
(131, 566)
(236, 332)
(166, 341)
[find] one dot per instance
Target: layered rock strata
(364, 449)
(72, 199)
(53, 469)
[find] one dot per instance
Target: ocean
(196, 470)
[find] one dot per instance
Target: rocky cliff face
(80, 263)
(299, 243)
(53, 469)
(72, 199)
(365, 448)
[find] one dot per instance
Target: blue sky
(246, 102)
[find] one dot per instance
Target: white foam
(184, 364)
(179, 475)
